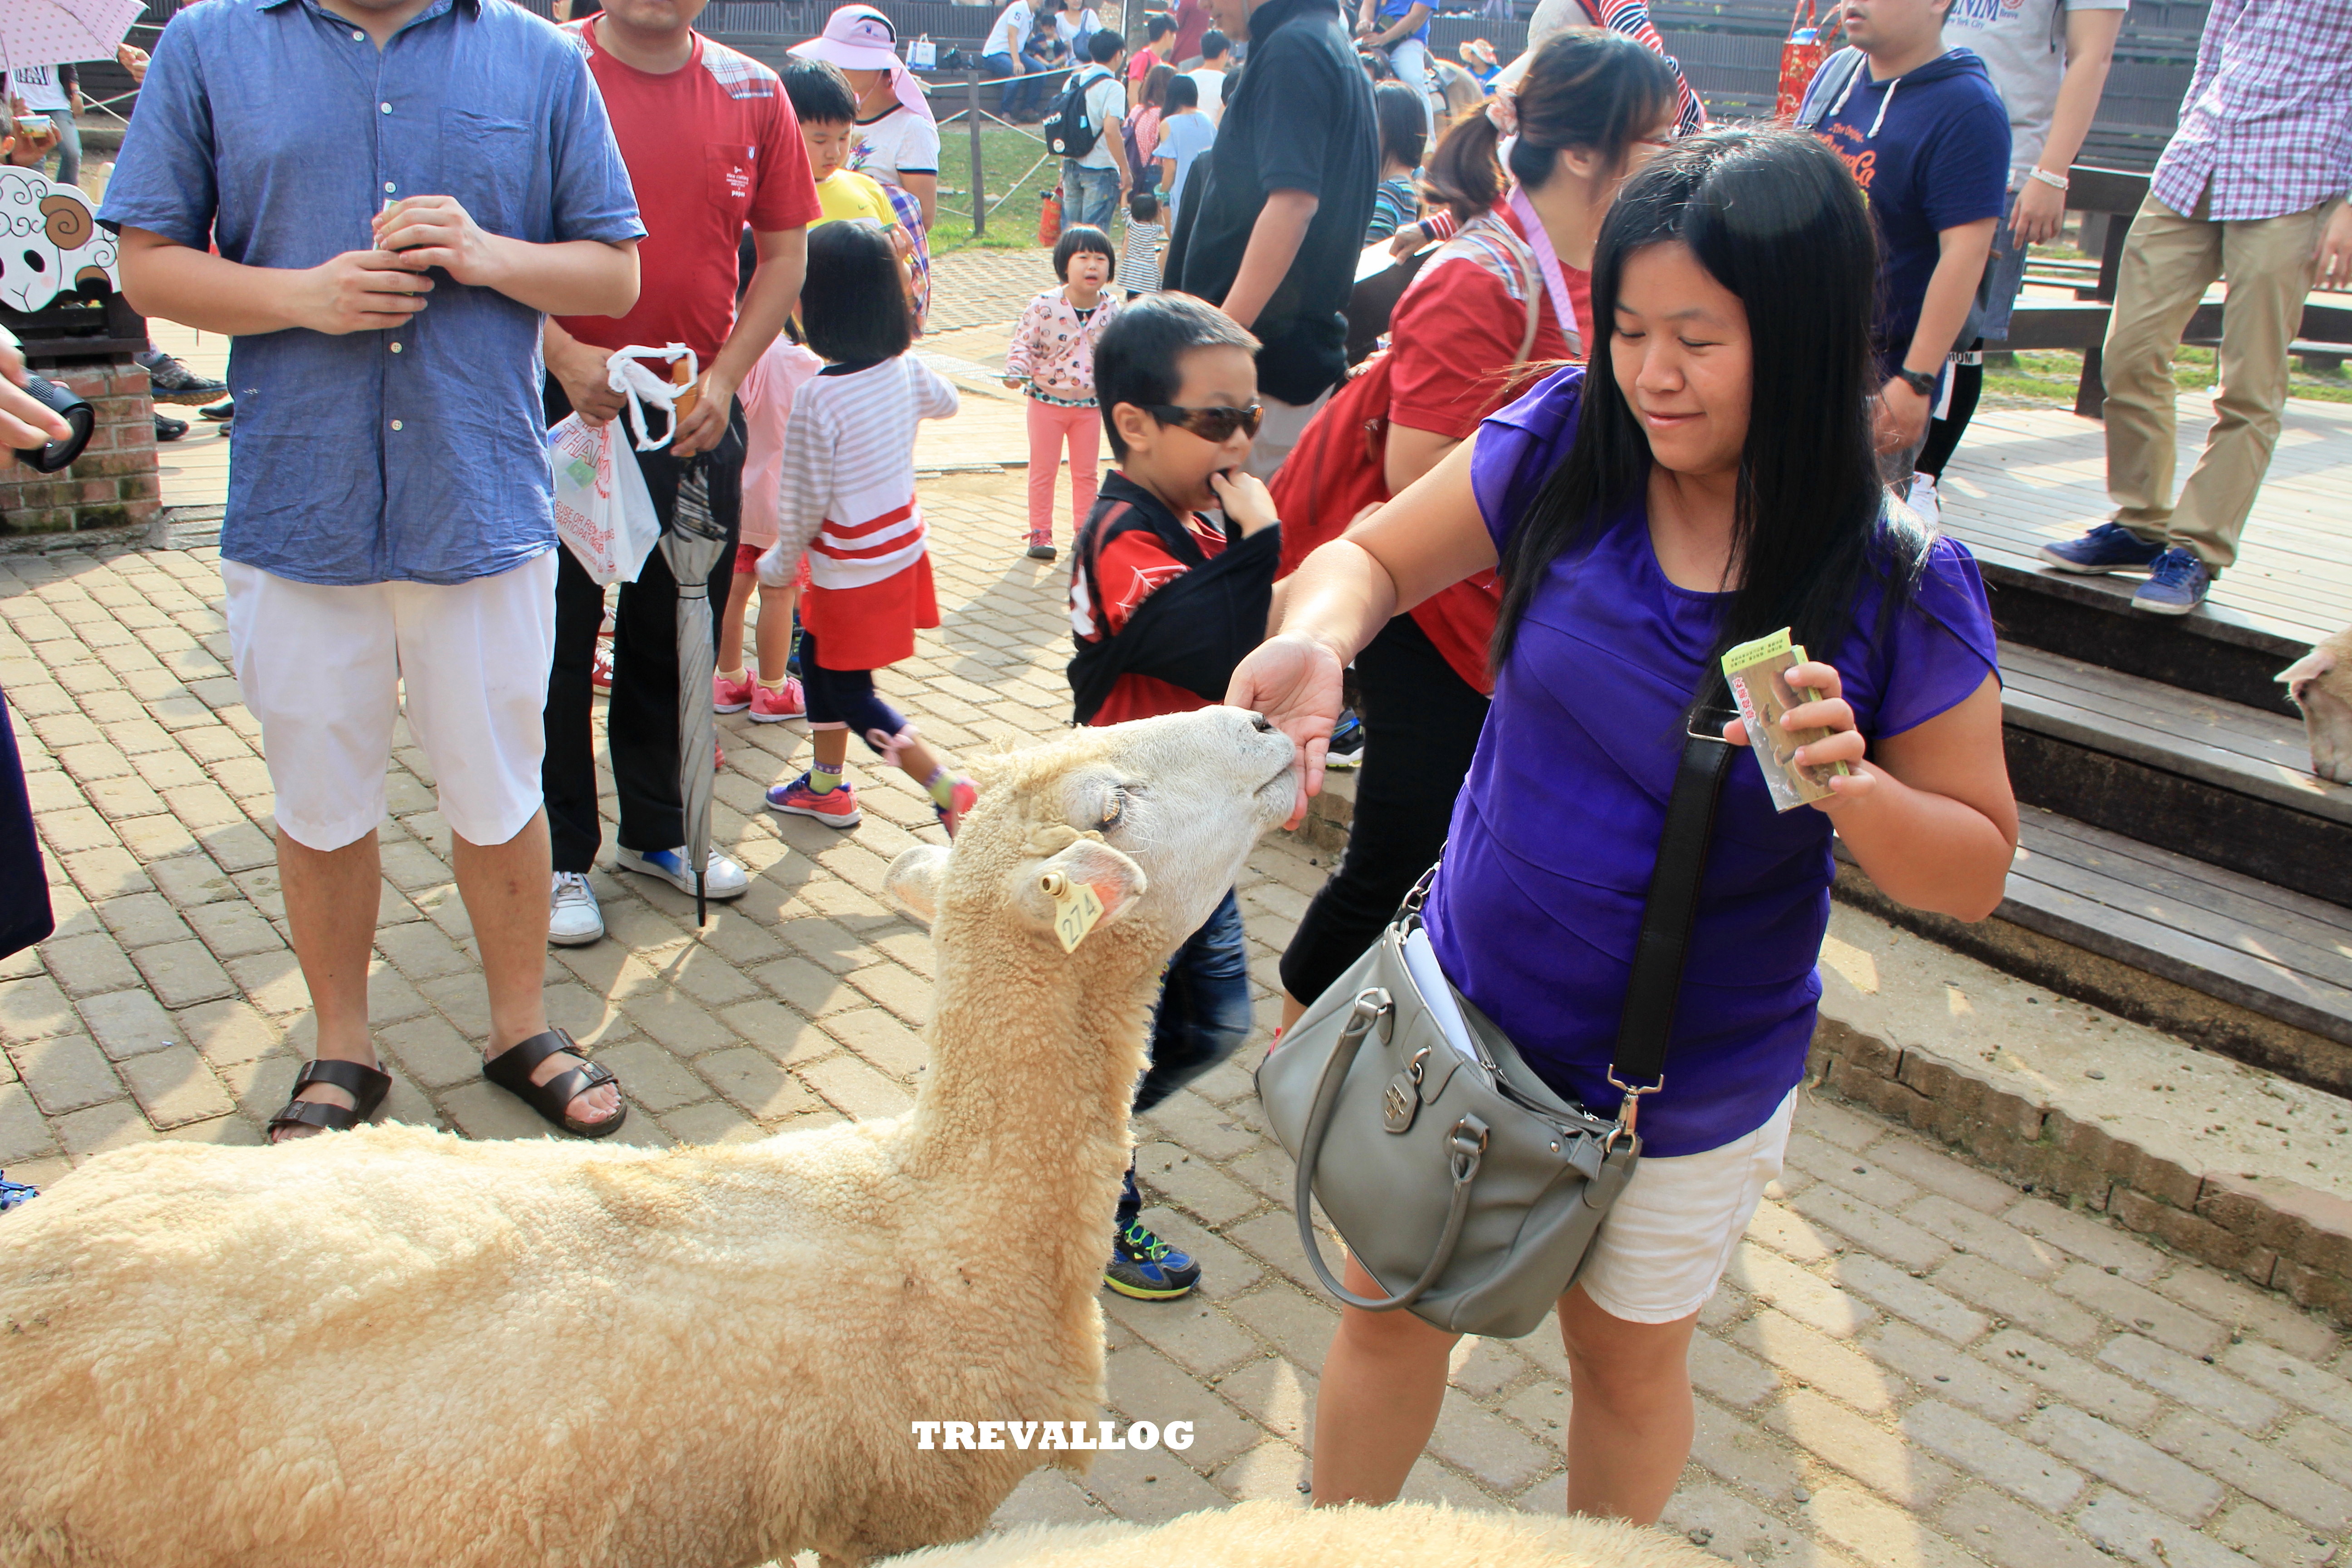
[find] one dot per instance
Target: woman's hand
(1828, 710)
(2039, 213)
(1293, 680)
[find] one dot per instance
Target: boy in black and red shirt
(1163, 603)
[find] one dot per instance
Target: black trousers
(641, 725)
(1421, 729)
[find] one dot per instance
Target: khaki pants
(2168, 262)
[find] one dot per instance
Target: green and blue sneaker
(1147, 1268)
(14, 1193)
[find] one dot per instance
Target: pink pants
(1050, 425)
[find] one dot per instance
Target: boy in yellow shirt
(826, 106)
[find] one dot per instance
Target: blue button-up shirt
(277, 130)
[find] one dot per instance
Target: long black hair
(1592, 90)
(1773, 217)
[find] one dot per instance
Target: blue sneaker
(1147, 1268)
(1347, 749)
(14, 1193)
(2110, 547)
(2176, 584)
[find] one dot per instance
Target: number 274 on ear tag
(1075, 911)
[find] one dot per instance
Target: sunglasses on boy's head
(1217, 424)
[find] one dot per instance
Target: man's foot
(14, 1193)
(2177, 583)
(574, 919)
(547, 1073)
(168, 428)
(331, 1095)
(774, 704)
(1347, 741)
(837, 807)
(169, 381)
(730, 693)
(721, 878)
(1926, 501)
(223, 412)
(1147, 1268)
(2110, 547)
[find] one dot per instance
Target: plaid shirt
(2267, 121)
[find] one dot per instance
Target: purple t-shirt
(1537, 909)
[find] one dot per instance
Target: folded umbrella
(693, 545)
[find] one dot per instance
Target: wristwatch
(1919, 381)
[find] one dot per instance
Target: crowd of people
(1653, 390)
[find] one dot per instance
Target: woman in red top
(1591, 108)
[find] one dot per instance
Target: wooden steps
(2229, 783)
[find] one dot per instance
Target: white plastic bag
(627, 374)
(923, 55)
(604, 513)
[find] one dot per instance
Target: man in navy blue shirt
(1927, 138)
(398, 191)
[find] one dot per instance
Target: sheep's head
(1150, 820)
(2321, 684)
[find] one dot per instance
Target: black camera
(78, 417)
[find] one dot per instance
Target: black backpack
(1069, 133)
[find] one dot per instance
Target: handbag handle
(1638, 1068)
(1466, 1149)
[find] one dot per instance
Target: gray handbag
(1465, 1186)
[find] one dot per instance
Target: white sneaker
(722, 878)
(1924, 500)
(572, 918)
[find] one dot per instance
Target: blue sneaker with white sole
(2110, 547)
(14, 1193)
(2176, 584)
(1146, 1268)
(722, 878)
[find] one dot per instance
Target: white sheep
(1279, 1535)
(2321, 684)
(396, 1349)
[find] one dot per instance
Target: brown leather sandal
(367, 1087)
(511, 1068)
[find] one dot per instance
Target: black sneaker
(168, 428)
(220, 411)
(1147, 1268)
(172, 382)
(1347, 741)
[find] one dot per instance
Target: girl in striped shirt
(846, 498)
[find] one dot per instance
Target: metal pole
(979, 185)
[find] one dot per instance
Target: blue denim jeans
(1203, 1016)
(1090, 196)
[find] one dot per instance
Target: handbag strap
(1639, 1065)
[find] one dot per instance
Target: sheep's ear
(1049, 885)
(912, 882)
(2299, 675)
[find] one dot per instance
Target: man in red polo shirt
(712, 148)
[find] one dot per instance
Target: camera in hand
(78, 417)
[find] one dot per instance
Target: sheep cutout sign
(391, 1348)
(50, 243)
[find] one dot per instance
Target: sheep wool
(1287, 1535)
(393, 1348)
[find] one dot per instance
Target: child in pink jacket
(1052, 355)
(765, 688)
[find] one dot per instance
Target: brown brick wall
(114, 482)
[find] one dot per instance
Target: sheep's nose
(1261, 723)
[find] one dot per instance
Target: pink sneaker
(774, 704)
(730, 696)
(837, 807)
(961, 798)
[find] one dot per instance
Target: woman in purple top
(1710, 481)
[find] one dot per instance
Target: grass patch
(1007, 157)
(2051, 376)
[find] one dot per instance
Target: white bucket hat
(861, 38)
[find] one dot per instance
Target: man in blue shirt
(1928, 140)
(398, 190)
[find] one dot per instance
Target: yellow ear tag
(1077, 908)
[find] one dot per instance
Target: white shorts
(1669, 1236)
(1279, 427)
(323, 670)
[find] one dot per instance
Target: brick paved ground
(1912, 1364)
